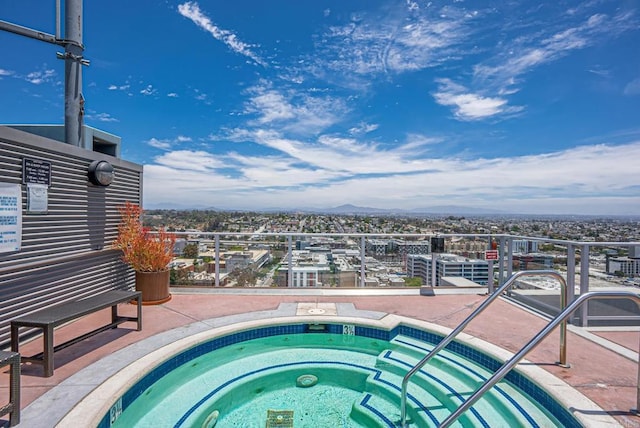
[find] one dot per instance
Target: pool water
(256, 383)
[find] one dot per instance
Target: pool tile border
(516, 378)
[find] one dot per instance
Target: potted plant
(147, 252)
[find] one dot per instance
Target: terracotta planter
(154, 287)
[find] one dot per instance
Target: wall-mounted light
(101, 173)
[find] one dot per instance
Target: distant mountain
(457, 210)
(441, 210)
(353, 209)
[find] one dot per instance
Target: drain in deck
(279, 419)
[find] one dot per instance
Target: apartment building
(448, 265)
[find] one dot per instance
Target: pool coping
(88, 395)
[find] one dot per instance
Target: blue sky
(517, 106)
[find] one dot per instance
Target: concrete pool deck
(604, 365)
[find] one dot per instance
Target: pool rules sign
(10, 217)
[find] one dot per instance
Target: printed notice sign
(37, 196)
(10, 217)
(36, 171)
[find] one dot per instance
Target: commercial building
(448, 265)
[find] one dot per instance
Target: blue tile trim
(365, 403)
(517, 379)
(463, 367)
(520, 381)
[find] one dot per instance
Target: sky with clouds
(515, 106)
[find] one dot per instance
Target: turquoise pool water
(249, 379)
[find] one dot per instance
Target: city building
(524, 246)
(448, 265)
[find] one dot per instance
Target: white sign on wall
(10, 217)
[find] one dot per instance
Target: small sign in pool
(115, 411)
(279, 418)
(349, 330)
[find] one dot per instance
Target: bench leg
(139, 301)
(114, 315)
(15, 340)
(14, 382)
(48, 351)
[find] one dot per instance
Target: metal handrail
(444, 342)
(560, 318)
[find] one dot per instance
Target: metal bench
(49, 318)
(13, 407)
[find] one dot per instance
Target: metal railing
(560, 318)
(444, 342)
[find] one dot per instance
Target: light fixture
(101, 173)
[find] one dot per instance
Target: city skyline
(513, 108)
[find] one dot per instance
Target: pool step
(465, 376)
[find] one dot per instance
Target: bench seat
(49, 318)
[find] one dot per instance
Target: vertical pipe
(584, 283)
(73, 100)
(503, 241)
(571, 276)
(510, 258)
(362, 262)
(290, 263)
(433, 269)
(58, 32)
(217, 256)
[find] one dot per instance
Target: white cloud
(524, 53)
(468, 105)
(101, 117)
(166, 144)
(363, 128)
(172, 95)
(578, 180)
(119, 87)
(149, 90)
(292, 110)
(191, 10)
(406, 40)
(633, 87)
(159, 144)
(39, 77)
(5, 73)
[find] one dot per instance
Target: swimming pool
(240, 381)
(360, 351)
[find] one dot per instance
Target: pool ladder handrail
(498, 292)
(508, 365)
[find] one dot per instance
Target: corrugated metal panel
(65, 252)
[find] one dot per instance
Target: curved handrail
(444, 342)
(507, 366)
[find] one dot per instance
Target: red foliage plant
(142, 249)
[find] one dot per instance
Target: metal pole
(290, 263)
(449, 338)
(362, 262)
(509, 364)
(571, 276)
(510, 258)
(217, 255)
(503, 241)
(74, 101)
(584, 283)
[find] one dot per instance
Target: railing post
(217, 256)
(584, 283)
(490, 268)
(501, 252)
(290, 262)
(510, 258)
(571, 276)
(362, 256)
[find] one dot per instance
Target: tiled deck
(606, 377)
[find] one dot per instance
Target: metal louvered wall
(65, 252)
